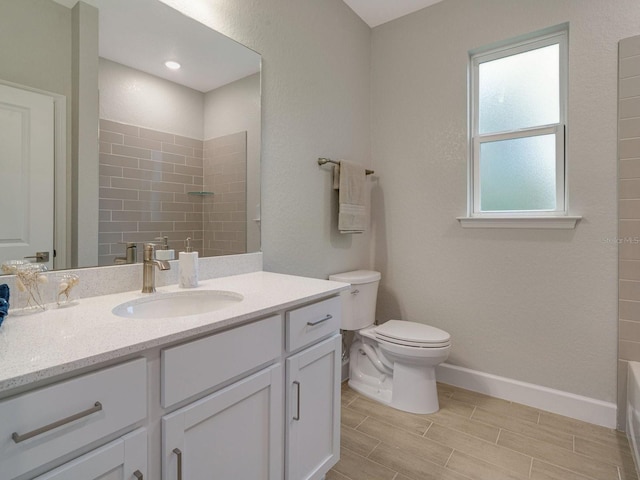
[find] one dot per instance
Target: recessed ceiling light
(172, 65)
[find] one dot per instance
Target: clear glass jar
(30, 283)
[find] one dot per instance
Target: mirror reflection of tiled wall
(156, 183)
(225, 174)
(145, 180)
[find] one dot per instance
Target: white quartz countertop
(58, 341)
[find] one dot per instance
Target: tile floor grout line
(428, 428)
(363, 420)
(449, 458)
(372, 461)
(548, 462)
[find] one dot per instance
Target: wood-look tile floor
(474, 437)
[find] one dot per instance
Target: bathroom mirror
(103, 145)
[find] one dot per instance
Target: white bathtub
(633, 410)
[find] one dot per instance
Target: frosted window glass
(520, 91)
(518, 174)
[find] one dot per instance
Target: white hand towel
(352, 215)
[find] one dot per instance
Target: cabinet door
(313, 410)
(236, 433)
(122, 459)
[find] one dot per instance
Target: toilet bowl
(393, 363)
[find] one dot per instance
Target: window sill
(560, 222)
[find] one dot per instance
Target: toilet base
(373, 392)
(404, 394)
(407, 387)
(414, 389)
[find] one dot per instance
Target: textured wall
(315, 102)
(533, 305)
(628, 213)
(130, 96)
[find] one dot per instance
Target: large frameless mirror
(104, 146)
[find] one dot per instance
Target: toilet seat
(412, 334)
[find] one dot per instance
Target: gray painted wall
(538, 306)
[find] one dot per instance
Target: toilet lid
(412, 334)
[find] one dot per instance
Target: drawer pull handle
(317, 322)
(178, 452)
(355, 292)
(138, 475)
(297, 417)
(26, 436)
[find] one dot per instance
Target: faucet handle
(165, 242)
(149, 251)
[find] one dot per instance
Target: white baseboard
(543, 398)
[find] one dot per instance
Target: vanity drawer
(40, 426)
(308, 324)
(202, 364)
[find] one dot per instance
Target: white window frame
(556, 35)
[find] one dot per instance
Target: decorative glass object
(65, 293)
(30, 282)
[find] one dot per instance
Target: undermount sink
(179, 304)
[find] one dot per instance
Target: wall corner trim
(568, 404)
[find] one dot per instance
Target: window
(517, 125)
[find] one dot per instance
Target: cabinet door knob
(297, 416)
(178, 452)
(138, 475)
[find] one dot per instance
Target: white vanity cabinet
(254, 395)
(313, 390)
(41, 428)
(238, 432)
(122, 459)
(235, 432)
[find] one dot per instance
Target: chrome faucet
(148, 268)
(131, 255)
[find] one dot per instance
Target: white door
(122, 459)
(313, 410)
(233, 434)
(26, 174)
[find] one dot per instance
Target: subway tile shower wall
(628, 240)
(225, 173)
(145, 180)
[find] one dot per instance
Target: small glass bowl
(64, 289)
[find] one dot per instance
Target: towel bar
(322, 161)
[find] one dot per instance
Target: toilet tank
(358, 303)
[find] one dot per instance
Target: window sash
(555, 37)
(558, 131)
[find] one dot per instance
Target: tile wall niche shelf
(201, 194)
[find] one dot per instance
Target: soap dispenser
(188, 266)
(164, 252)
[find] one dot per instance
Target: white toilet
(393, 363)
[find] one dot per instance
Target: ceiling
(121, 22)
(143, 34)
(377, 12)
